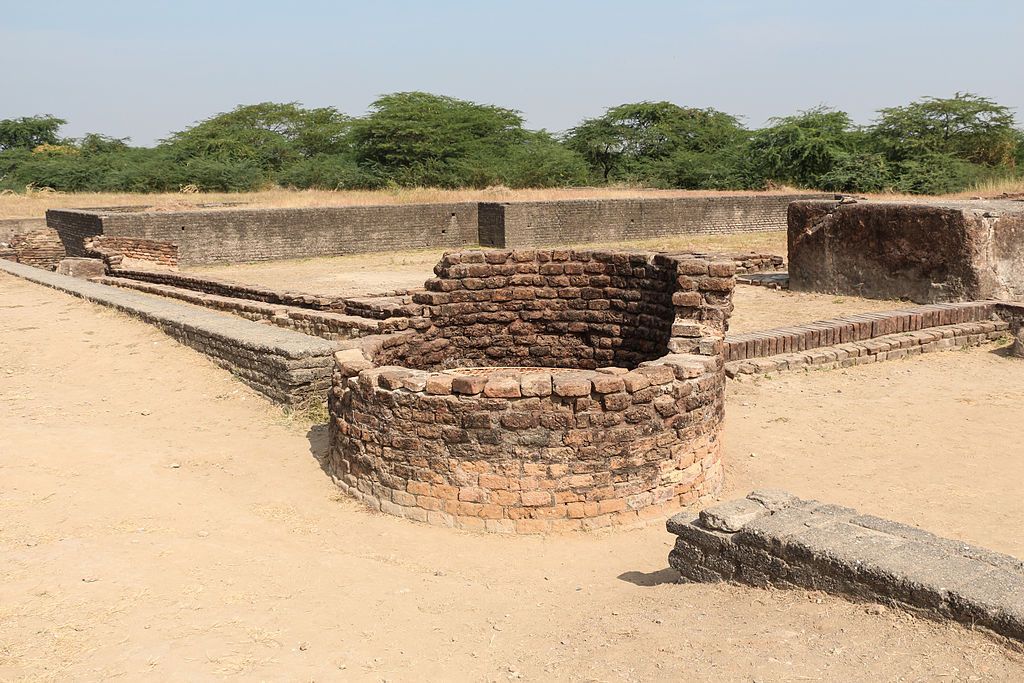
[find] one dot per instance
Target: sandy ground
(159, 520)
(757, 308)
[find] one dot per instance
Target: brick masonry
(772, 538)
(549, 390)
(1013, 314)
(927, 251)
(286, 366)
(236, 234)
(228, 235)
(320, 323)
(9, 227)
(853, 328)
(124, 252)
(40, 248)
(530, 224)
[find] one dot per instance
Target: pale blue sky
(143, 69)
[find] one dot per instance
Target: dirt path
(159, 520)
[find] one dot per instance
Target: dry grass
(35, 204)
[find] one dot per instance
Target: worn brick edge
(287, 367)
(889, 347)
(772, 538)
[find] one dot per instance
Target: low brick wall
(853, 328)
(325, 324)
(122, 252)
(379, 308)
(231, 235)
(552, 390)
(39, 248)
(237, 234)
(887, 347)
(287, 367)
(9, 227)
(772, 538)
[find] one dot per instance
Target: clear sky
(144, 68)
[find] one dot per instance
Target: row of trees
(929, 146)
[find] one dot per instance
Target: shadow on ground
(647, 579)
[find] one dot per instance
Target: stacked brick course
(235, 234)
(531, 224)
(38, 248)
(772, 538)
(115, 250)
(552, 389)
(226, 235)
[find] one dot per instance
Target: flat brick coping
(769, 280)
(888, 347)
(326, 324)
(852, 328)
(394, 304)
(286, 366)
(772, 538)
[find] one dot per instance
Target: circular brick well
(542, 390)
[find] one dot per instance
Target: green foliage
(629, 142)
(964, 126)
(29, 132)
(415, 138)
(268, 136)
(936, 174)
(334, 172)
(858, 172)
(799, 149)
(929, 146)
(541, 161)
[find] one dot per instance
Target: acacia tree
(268, 135)
(966, 126)
(631, 141)
(800, 149)
(416, 138)
(28, 132)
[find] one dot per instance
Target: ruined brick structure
(233, 234)
(9, 227)
(547, 389)
(226, 235)
(40, 248)
(532, 224)
(927, 252)
(1013, 314)
(122, 252)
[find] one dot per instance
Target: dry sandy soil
(159, 520)
(756, 307)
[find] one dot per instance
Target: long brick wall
(529, 224)
(236, 234)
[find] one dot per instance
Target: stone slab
(774, 538)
